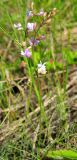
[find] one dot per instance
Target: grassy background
(62, 51)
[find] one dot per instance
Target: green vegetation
(38, 79)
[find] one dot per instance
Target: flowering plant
(32, 38)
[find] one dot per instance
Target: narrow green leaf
(63, 154)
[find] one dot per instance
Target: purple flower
(41, 13)
(31, 26)
(18, 26)
(26, 53)
(29, 13)
(42, 37)
(33, 42)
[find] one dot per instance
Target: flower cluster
(30, 13)
(34, 41)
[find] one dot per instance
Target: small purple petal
(42, 37)
(41, 13)
(31, 26)
(33, 42)
(27, 53)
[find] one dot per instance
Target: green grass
(27, 117)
